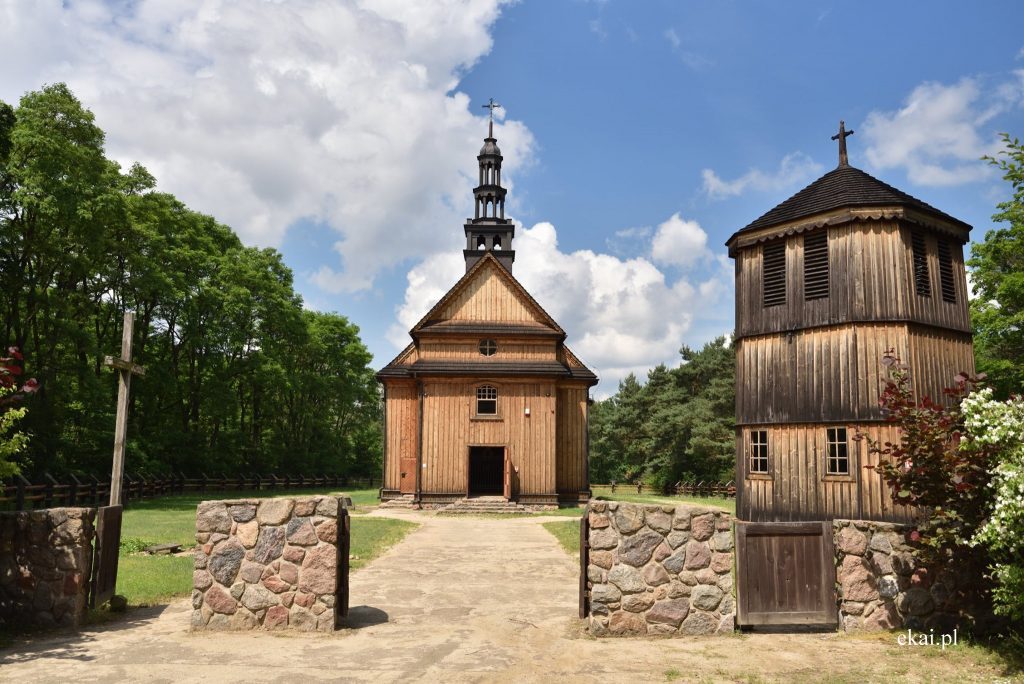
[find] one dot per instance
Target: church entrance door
(486, 471)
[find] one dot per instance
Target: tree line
(239, 377)
(679, 425)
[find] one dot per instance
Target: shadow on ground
(68, 644)
(364, 616)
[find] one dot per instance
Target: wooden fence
(20, 494)
(722, 489)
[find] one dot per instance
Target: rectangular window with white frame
(759, 452)
(837, 451)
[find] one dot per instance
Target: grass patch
(148, 580)
(567, 532)
(623, 494)
(373, 536)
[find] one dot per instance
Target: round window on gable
(488, 347)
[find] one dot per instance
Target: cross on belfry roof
(841, 136)
(491, 105)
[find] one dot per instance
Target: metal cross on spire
(841, 136)
(491, 105)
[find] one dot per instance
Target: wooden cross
(841, 136)
(125, 369)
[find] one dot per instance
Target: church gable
(488, 294)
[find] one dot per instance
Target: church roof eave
(845, 187)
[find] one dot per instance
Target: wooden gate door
(104, 559)
(785, 574)
(344, 550)
(508, 477)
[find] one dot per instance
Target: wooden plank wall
(572, 440)
(833, 373)
(401, 430)
(489, 297)
(449, 429)
(796, 487)
(870, 279)
(936, 358)
(468, 349)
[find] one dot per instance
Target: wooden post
(125, 369)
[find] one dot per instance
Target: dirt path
(464, 600)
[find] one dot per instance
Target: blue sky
(637, 135)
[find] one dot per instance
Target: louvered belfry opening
(922, 284)
(774, 269)
(816, 265)
(946, 273)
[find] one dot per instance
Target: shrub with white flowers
(1000, 424)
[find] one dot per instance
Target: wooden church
(826, 283)
(486, 400)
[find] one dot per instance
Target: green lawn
(146, 580)
(567, 532)
(623, 494)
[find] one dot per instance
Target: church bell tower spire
(489, 230)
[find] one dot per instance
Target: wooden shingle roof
(845, 186)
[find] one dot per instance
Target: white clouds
(622, 314)
(679, 242)
(794, 169)
(266, 113)
(939, 135)
(673, 38)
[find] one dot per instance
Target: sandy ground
(466, 600)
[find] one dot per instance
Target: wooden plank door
(508, 477)
(785, 574)
(407, 476)
(104, 562)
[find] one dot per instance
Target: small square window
(759, 451)
(838, 458)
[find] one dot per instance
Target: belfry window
(486, 401)
(773, 273)
(488, 347)
(481, 242)
(497, 243)
(946, 273)
(919, 253)
(816, 266)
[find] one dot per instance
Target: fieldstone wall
(45, 565)
(880, 584)
(266, 564)
(663, 570)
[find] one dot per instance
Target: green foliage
(239, 377)
(928, 469)
(134, 545)
(12, 442)
(999, 426)
(679, 425)
(997, 264)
